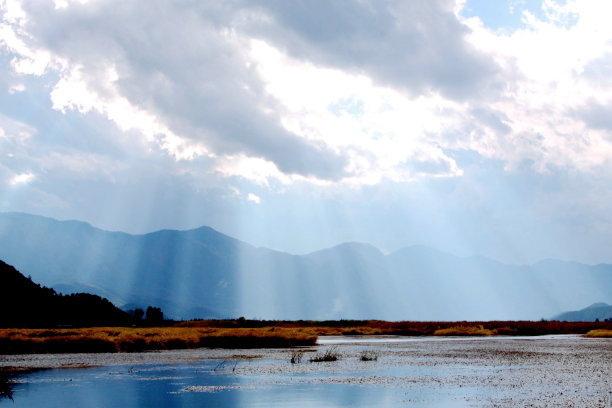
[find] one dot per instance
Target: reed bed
(329, 355)
(242, 333)
(129, 339)
(465, 331)
(411, 328)
(599, 333)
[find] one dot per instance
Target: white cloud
(13, 37)
(256, 170)
(14, 133)
(416, 46)
(188, 89)
(379, 128)
(258, 90)
(16, 88)
(23, 178)
(298, 139)
(60, 4)
(254, 198)
(546, 84)
(74, 92)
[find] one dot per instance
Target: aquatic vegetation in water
(6, 386)
(368, 355)
(296, 356)
(331, 354)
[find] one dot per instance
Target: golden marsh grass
(465, 331)
(599, 333)
(243, 333)
(131, 339)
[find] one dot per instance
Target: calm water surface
(418, 372)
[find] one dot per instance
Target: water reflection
(129, 387)
(210, 384)
(505, 372)
(6, 387)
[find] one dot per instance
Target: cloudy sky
(472, 126)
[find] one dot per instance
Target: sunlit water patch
(201, 385)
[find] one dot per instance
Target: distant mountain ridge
(203, 273)
(597, 311)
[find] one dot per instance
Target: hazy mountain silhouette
(203, 273)
(80, 287)
(27, 304)
(597, 311)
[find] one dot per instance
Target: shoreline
(17, 364)
(254, 334)
(474, 371)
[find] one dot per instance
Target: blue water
(212, 384)
(504, 372)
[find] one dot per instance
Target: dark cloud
(184, 62)
(419, 46)
(598, 71)
(185, 66)
(596, 115)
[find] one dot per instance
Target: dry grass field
(243, 333)
(131, 339)
(412, 328)
(599, 333)
(465, 331)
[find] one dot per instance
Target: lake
(421, 372)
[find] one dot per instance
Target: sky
(471, 126)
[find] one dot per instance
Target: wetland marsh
(545, 371)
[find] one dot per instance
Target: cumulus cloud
(186, 77)
(418, 46)
(359, 93)
(596, 115)
(553, 68)
(180, 73)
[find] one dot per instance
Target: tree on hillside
(154, 315)
(137, 313)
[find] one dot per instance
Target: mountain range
(597, 311)
(204, 273)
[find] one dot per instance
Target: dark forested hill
(24, 303)
(203, 273)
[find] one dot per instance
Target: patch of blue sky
(351, 105)
(505, 16)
